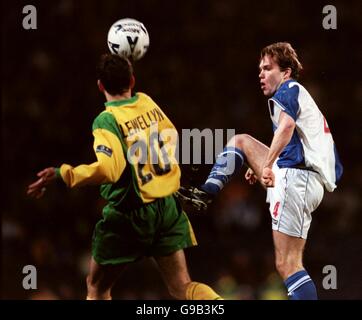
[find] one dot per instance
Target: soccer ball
(129, 38)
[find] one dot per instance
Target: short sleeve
(286, 98)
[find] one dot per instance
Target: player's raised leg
(240, 149)
(176, 276)
(288, 260)
(101, 279)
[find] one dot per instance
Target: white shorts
(296, 194)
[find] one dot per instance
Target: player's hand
(268, 178)
(250, 176)
(37, 188)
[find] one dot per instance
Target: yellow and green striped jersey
(135, 145)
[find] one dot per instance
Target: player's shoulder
(103, 120)
(288, 88)
(104, 116)
(288, 92)
(147, 100)
(143, 96)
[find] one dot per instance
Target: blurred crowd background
(202, 69)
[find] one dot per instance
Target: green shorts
(156, 229)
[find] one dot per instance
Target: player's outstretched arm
(37, 188)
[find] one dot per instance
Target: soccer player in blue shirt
(295, 169)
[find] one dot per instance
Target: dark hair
(115, 73)
(285, 56)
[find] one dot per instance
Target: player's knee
(91, 284)
(239, 141)
(95, 286)
(95, 291)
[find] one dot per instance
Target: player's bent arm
(282, 137)
(108, 167)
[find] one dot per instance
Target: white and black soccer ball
(129, 38)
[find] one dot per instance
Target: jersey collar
(284, 84)
(119, 103)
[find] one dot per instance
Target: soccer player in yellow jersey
(134, 143)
